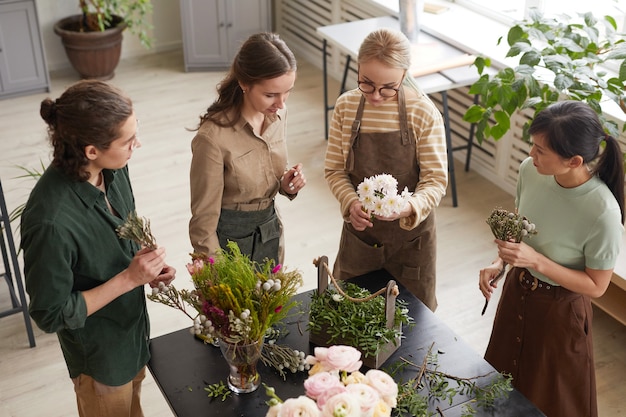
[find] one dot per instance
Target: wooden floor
(34, 382)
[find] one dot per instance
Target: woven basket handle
(391, 290)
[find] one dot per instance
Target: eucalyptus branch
(437, 385)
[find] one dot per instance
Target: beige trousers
(95, 399)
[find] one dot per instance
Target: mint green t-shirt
(577, 227)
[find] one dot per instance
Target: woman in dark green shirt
(85, 283)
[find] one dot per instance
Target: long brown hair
(262, 56)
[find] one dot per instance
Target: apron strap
(404, 124)
(356, 126)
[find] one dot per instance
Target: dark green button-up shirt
(70, 245)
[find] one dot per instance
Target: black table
(183, 365)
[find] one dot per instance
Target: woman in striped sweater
(388, 125)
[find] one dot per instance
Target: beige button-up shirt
(233, 168)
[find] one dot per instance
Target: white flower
(366, 396)
(302, 406)
(379, 195)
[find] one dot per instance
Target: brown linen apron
(408, 255)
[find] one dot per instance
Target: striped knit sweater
(426, 122)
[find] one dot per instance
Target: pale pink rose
(384, 384)
(331, 392)
(342, 358)
(344, 405)
(381, 409)
(354, 378)
(367, 396)
(320, 382)
(302, 406)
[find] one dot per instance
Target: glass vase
(242, 362)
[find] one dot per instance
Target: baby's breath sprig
(137, 229)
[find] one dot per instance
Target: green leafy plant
(414, 394)
(363, 324)
(33, 173)
(99, 15)
(559, 58)
(218, 390)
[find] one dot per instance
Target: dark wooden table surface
(183, 365)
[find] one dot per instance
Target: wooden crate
(322, 338)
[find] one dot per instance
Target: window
(510, 10)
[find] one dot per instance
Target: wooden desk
(436, 66)
(182, 365)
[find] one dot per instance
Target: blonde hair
(390, 47)
(393, 49)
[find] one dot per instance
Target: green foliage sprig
(137, 229)
(218, 390)
(560, 58)
(431, 383)
(362, 324)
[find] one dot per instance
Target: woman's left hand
(293, 180)
(166, 276)
(406, 212)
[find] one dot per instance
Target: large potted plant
(559, 59)
(93, 39)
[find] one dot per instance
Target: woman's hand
(406, 212)
(166, 276)
(517, 254)
(485, 277)
(146, 266)
(359, 218)
(293, 180)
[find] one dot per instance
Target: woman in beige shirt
(239, 160)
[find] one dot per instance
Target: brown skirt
(542, 337)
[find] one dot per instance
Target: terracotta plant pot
(92, 54)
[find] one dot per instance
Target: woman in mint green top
(572, 188)
(85, 284)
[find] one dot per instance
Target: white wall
(165, 20)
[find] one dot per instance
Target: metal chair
(11, 274)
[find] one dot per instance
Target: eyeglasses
(369, 88)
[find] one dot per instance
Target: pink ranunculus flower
(343, 358)
(342, 405)
(355, 378)
(384, 384)
(320, 382)
(381, 409)
(331, 392)
(302, 406)
(366, 396)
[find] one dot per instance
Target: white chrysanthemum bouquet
(379, 195)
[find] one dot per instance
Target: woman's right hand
(146, 265)
(484, 281)
(359, 218)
